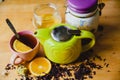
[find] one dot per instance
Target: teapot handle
(87, 35)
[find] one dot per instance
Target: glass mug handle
(87, 35)
(15, 59)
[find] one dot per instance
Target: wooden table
(20, 12)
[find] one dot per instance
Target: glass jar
(82, 14)
(45, 15)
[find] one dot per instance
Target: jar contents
(46, 21)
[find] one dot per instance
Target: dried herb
(98, 57)
(10, 67)
(86, 69)
(107, 65)
(100, 28)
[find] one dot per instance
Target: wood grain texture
(20, 12)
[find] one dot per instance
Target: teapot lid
(63, 33)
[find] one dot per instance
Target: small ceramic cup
(18, 57)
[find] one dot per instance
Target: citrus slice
(20, 47)
(39, 66)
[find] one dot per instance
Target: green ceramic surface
(67, 51)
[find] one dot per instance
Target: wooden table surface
(20, 12)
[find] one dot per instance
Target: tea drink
(46, 15)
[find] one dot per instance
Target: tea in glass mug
(45, 15)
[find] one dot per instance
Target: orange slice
(20, 47)
(39, 66)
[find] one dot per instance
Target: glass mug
(45, 15)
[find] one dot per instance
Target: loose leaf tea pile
(80, 70)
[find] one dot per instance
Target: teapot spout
(42, 35)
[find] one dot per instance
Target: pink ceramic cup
(28, 37)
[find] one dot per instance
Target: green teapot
(62, 42)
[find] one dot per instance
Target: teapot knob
(61, 33)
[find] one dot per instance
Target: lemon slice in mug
(20, 47)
